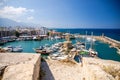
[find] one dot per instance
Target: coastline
(111, 42)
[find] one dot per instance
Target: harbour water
(112, 33)
(103, 49)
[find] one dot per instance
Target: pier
(113, 43)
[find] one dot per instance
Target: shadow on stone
(45, 72)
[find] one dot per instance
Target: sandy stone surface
(19, 66)
(91, 70)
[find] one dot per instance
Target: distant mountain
(4, 22)
(7, 22)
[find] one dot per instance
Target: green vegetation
(17, 34)
(48, 33)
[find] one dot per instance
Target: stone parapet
(17, 66)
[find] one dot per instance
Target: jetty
(113, 43)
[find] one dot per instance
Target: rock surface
(92, 69)
(20, 66)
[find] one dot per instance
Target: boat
(37, 38)
(8, 48)
(118, 50)
(41, 50)
(17, 49)
(58, 56)
(13, 49)
(57, 37)
(89, 39)
(92, 52)
(2, 42)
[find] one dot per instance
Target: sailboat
(92, 52)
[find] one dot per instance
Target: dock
(113, 43)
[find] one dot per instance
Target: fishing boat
(41, 50)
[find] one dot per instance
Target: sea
(103, 49)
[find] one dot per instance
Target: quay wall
(112, 42)
(19, 66)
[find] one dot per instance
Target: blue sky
(63, 13)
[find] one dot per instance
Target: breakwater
(113, 43)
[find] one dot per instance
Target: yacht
(92, 52)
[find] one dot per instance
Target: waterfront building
(43, 31)
(6, 31)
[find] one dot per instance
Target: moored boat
(92, 52)
(41, 50)
(2, 43)
(13, 49)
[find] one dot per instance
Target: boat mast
(85, 40)
(91, 46)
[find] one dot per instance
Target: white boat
(62, 57)
(13, 49)
(58, 56)
(118, 51)
(90, 39)
(8, 48)
(92, 52)
(57, 37)
(17, 49)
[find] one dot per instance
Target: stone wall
(19, 66)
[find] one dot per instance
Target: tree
(48, 33)
(17, 34)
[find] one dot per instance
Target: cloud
(15, 13)
(2, 2)
(30, 18)
(10, 10)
